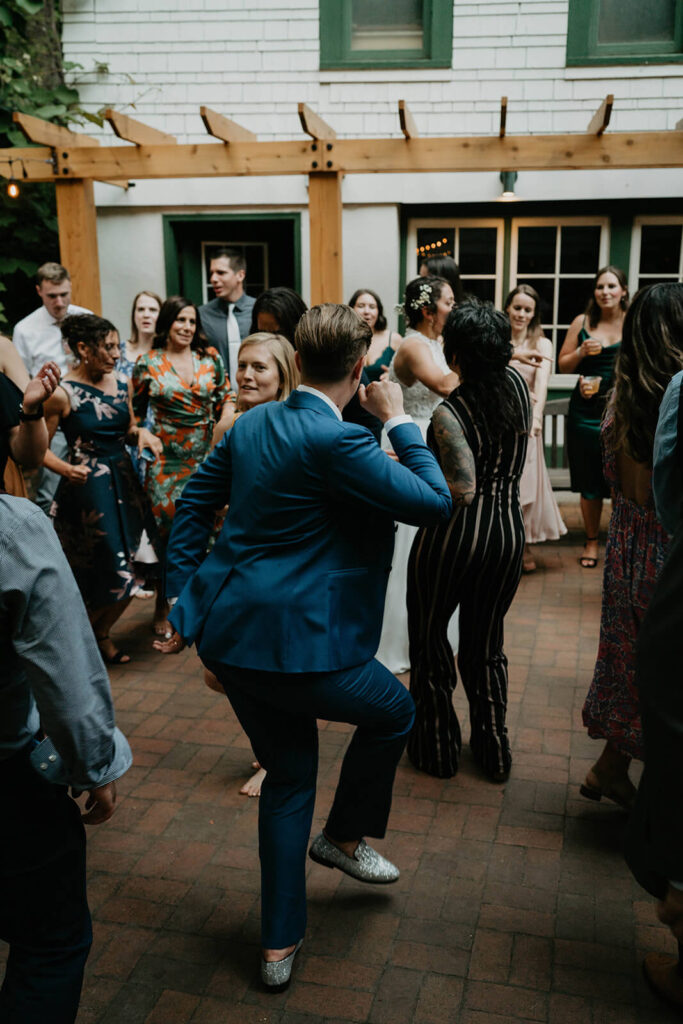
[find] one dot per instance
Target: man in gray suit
(226, 320)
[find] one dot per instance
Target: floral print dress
(184, 416)
(634, 556)
(101, 523)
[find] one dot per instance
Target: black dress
(100, 523)
(474, 562)
(10, 399)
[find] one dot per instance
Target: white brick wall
(255, 59)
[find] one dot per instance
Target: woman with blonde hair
(542, 519)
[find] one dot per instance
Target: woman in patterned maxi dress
(184, 383)
(651, 353)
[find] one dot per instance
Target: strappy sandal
(117, 658)
(585, 561)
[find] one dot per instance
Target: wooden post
(325, 216)
(78, 240)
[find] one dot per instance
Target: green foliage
(32, 82)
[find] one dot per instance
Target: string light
(12, 189)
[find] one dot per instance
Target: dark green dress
(583, 423)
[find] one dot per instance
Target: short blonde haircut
(283, 353)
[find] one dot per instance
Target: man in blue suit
(286, 610)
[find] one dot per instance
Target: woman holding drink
(590, 349)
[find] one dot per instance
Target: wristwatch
(29, 417)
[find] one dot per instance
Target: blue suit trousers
(278, 712)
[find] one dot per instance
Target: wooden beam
(135, 131)
(223, 128)
(365, 156)
(503, 116)
(47, 134)
(314, 125)
(408, 125)
(78, 240)
(325, 218)
(600, 118)
(354, 156)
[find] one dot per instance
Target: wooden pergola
(73, 161)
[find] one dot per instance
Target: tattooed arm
(457, 461)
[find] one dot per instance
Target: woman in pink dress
(542, 519)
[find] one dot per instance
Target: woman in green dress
(590, 349)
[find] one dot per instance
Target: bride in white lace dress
(420, 368)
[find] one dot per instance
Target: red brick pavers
(514, 903)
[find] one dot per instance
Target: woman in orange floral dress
(184, 383)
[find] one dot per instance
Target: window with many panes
(476, 246)
(656, 251)
(386, 33)
(624, 31)
(558, 258)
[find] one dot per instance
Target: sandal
(585, 561)
(623, 792)
(117, 658)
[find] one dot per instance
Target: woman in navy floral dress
(651, 353)
(101, 515)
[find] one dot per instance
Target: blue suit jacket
(296, 580)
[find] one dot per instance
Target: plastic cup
(591, 386)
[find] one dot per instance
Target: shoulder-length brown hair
(168, 313)
(651, 353)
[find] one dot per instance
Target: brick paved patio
(514, 904)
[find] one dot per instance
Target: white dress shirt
(38, 339)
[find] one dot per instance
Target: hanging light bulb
(12, 189)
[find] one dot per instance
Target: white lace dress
(419, 402)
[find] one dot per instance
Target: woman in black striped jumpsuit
(474, 561)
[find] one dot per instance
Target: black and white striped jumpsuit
(473, 562)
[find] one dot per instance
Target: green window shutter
(336, 31)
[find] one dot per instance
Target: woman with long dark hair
(420, 367)
(101, 516)
(590, 349)
(183, 382)
(474, 561)
(651, 353)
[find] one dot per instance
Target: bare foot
(161, 626)
(528, 562)
(252, 787)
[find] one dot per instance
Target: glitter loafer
(366, 864)
(276, 976)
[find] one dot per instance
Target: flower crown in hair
(423, 298)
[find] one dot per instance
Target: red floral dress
(634, 556)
